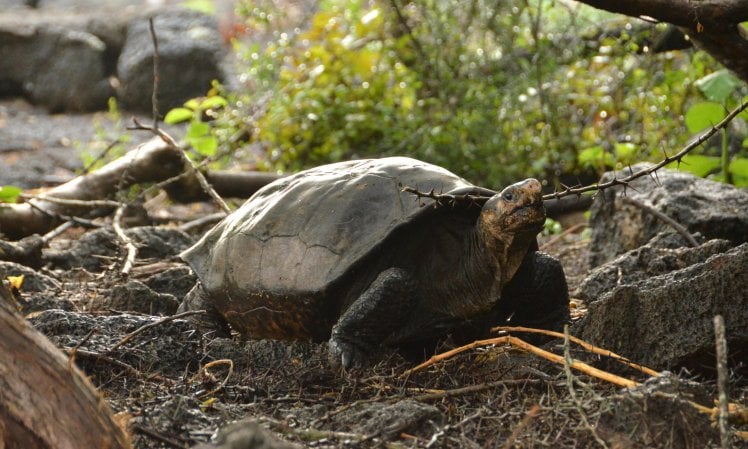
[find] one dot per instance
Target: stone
(640, 417)
(170, 346)
(33, 281)
(62, 68)
(134, 296)
(665, 320)
(665, 253)
(95, 250)
(715, 210)
(246, 434)
(190, 54)
(387, 421)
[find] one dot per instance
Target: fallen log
(45, 401)
(153, 162)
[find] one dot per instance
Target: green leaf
(192, 104)
(718, 86)
(625, 152)
(206, 146)
(697, 164)
(204, 6)
(594, 157)
(197, 129)
(214, 102)
(704, 115)
(178, 115)
(739, 170)
(9, 194)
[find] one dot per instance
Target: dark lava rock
(246, 434)
(175, 281)
(190, 53)
(715, 210)
(33, 281)
(658, 411)
(137, 297)
(388, 421)
(168, 347)
(60, 67)
(666, 320)
(665, 253)
(27, 251)
(93, 249)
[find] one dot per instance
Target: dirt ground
(176, 386)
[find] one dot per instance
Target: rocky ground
(176, 386)
(650, 297)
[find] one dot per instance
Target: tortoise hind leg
(378, 312)
(211, 321)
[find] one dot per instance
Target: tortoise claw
(345, 353)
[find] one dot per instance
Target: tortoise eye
(507, 196)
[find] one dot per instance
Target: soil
(176, 386)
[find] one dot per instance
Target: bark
(713, 25)
(45, 401)
(152, 162)
(155, 161)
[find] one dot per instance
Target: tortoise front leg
(378, 312)
(537, 296)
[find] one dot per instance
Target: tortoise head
(517, 208)
(510, 221)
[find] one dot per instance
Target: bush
(493, 91)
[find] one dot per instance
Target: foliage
(721, 91)
(494, 91)
(199, 136)
(9, 194)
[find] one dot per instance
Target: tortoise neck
(503, 251)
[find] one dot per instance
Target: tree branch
(713, 25)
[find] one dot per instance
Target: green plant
(9, 194)
(199, 134)
(721, 91)
(492, 91)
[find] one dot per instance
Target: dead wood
(227, 184)
(46, 402)
(84, 196)
(714, 25)
(151, 162)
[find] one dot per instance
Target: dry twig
(144, 328)
(207, 366)
(722, 398)
(448, 200)
(132, 250)
(521, 344)
(568, 362)
(521, 426)
(582, 343)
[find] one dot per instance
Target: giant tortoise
(341, 253)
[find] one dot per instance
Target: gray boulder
(59, 67)
(715, 210)
(666, 320)
(190, 54)
(665, 253)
